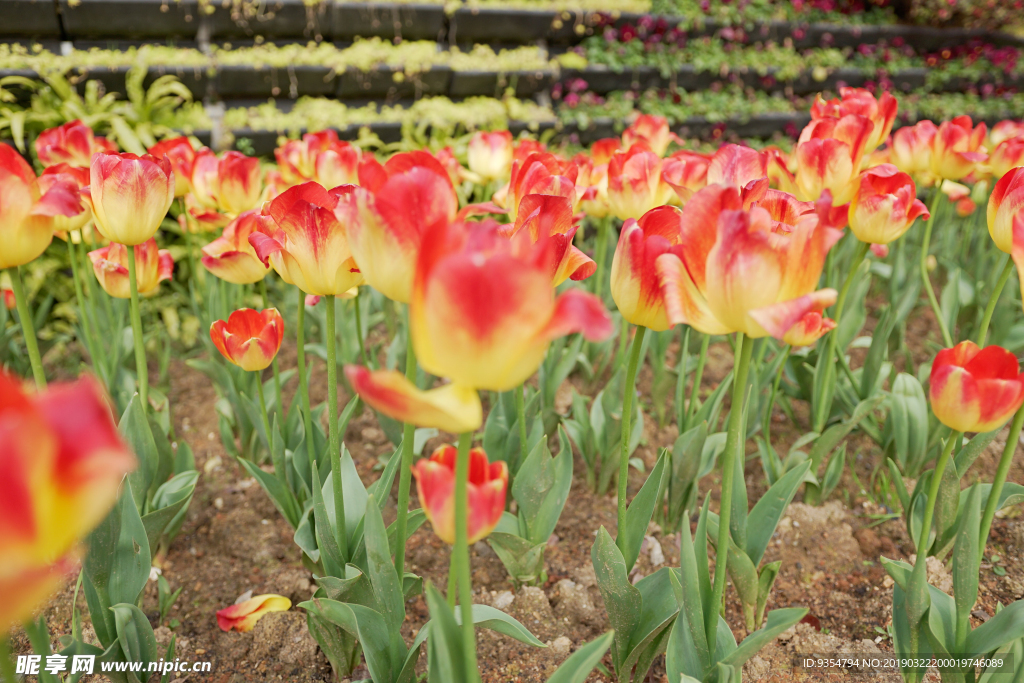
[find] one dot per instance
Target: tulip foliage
(515, 313)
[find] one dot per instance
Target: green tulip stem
(341, 530)
(279, 469)
(80, 298)
(698, 378)
(521, 420)
(627, 418)
(405, 471)
(601, 253)
(766, 426)
(273, 364)
(925, 280)
(997, 485)
(460, 556)
(307, 415)
(28, 328)
(993, 299)
(359, 332)
(919, 576)
(732, 460)
(141, 369)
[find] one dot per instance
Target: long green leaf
(639, 512)
(578, 666)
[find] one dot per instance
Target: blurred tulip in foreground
(61, 463)
(66, 226)
(242, 617)
(250, 339)
(182, 155)
(651, 130)
(957, 148)
(975, 390)
(129, 195)
(435, 483)
(29, 207)
(110, 264)
(880, 111)
(912, 149)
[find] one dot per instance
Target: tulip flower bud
(249, 339)
(67, 227)
(435, 483)
(129, 195)
(7, 296)
(73, 143)
(652, 131)
(884, 205)
(490, 154)
(230, 257)
(635, 185)
(829, 155)
(29, 207)
(912, 150)
(110, 264)
(182, 155)
(975, 390)
(957, 148)
(881, 111)
(1005, 205)
(63, 462)
(242, 617)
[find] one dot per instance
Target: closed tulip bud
(912, 149)
(884, 205)
(593, 181)
(73, 143)
(62, 461)
(249, 339)
(301, 237)
(634, 280)
(230, 257)
(975, 390)
(321, 157)
(1005, 205)
(110, 264)
(650, 130)
(490, 154)
(686, 172)
(484, 311)
(29, 207)
(753, 271)
(435, 483)
(230, 184)
(7, 295)
(1007, 155)
(957, 148)
(635, 185)
(129, 195)
(182, 155)
(965, 207)
(881, 111)
(829, 156)
(242, 616)
(385, 219)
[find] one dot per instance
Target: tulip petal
(450, 408)
(778, 319)
(683, 301)
(243, 616)
(579, 311)
(1017, 252)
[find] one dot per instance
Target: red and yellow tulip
(736, 165)
(686, 172)
(242, 617)
(753, 271)
(957, 148)
(300, 236)
(912, 150)
(635, 185)
(61, 463)
(435, 483)
(67, 226)
(545, 216)
(489, 155)
(1007, 155)
(652, 131)
(884, 205)
(384, 220)
(320, 157)
(182, 155)
(1006, 217)
(539, 173)
(230, 257)
(829, 156)
(230, 184)
(250, 339)
(129, 195)
(881, 111)
(72, 143)
(975, 390)
(29, 207)
(110, 264)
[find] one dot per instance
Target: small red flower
(249, 339)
